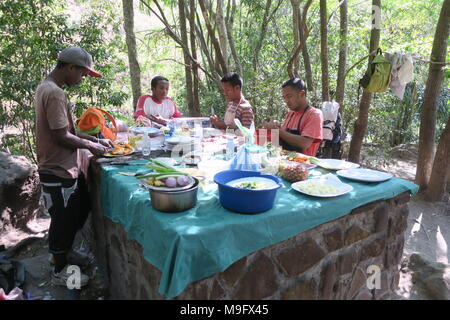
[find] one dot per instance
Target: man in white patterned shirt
(158, 107)
(238, 107)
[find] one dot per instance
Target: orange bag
(92, 122)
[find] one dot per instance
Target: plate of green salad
(323, 188)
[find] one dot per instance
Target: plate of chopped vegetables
(120, 149)
(323, 188)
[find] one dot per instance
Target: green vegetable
(250, 185)
(162, 164)
(159, 169)
(150, 175)
(162, 171)
(314, 160)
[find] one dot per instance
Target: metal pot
(174, 201)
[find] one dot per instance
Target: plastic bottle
(171, 126)
(146, 146)
(230, 149)
(198, 129)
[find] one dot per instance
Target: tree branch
(305, 30)
(334, 11)
(213, 38)
(174, 36)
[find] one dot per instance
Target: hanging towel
(401, 72)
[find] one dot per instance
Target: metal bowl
(175, 201)
(167, 189)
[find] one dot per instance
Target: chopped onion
(171, 182)
(182, 181)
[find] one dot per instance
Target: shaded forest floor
(428, 234)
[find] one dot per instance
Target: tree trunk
(303, 35)
(296, 29)
(195, 84)
(441, 167)
(215, 42)
(229, 24)
(305, 53)
(207, 53)
(324, 50)
(135, 71)
(222, 31)
(404, 120)
(360, 127)
(429, 108)
(187, 60)
(262, 34)
(340, 86)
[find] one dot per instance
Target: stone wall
(327, 262)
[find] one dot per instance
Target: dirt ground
(33, 253)
(428, 231)
(428, 234)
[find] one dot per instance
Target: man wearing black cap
(63, 186)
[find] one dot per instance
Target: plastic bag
(15, 294)
(249, 156)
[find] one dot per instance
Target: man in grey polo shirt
(57, 141)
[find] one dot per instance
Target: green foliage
(33, 32)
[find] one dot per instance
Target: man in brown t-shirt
(63, 186)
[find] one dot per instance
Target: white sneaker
(73, 257)
(68, 277)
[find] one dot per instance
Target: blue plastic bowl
(244, 200)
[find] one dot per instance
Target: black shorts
(68, 203)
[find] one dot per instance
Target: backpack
(92, 122)
(330, 111)
(378, 74)
(332, 149)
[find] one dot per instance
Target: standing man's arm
(68, 140)
(105, 142)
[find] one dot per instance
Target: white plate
(179, 140)
(366, 175)
(343, 188)
(169, 161)
(268, 182)
(152, 132)
(336, 164)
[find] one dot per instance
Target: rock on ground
(434, 277)
(19, 191)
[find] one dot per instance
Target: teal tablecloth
(207, 239)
